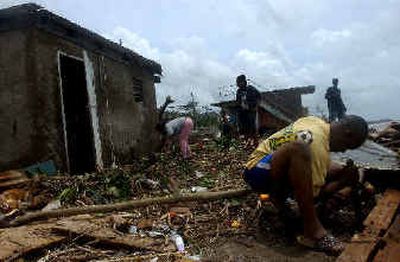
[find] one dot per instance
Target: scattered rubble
(169, 224)
(387, 134)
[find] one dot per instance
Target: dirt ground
(259, 248)
(223, 230)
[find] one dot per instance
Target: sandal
(327, 244)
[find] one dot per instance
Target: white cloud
(324, 36)
(134, 42)
(203, 45)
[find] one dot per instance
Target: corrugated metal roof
(371, 156)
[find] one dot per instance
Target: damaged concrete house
(70, 95)
(276, 109)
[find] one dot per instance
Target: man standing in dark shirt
(336, 107)
(248, 98)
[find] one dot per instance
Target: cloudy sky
(203, 44)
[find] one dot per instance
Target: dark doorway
(77, 115)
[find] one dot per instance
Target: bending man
(296, 160)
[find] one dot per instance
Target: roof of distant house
(275, 102)
(28, 15)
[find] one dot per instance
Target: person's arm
(339, 93)
(238, 96)
(327, 94)
(340, 176)
(258, 95)
(168, 101)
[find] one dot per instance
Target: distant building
(276, 109)
(69, 95)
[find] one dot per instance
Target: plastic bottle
(178, 240)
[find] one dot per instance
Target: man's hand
(169, 100)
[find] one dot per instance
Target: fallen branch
(203, 196)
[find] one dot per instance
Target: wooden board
(393, 234)
(356, 252)
(13, 183)
(382, 215)
(364, 247)
(19, 241)
(391, 253)
(391, 250)
(97, 229)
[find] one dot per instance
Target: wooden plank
(99, 230)
(391, 249)
(359, 249)
(382, 215)
(393, 233)
(363, 247)
(391, 253)
(13, 183)
(19, 241)
(11, 175)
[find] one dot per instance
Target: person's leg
(245, 122)
(340, 114)
(333, 115)
(239, 122)
(184, 137)
(252, 122)
(292, 163)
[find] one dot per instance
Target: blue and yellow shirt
(311, 130)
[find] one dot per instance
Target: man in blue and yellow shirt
(296, 159)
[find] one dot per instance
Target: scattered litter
(199, 174)
(235, 224)
(12, 199)
(148, 183)
(197, 189)
(53, 205)
(178, 240)
(155, 234)
(133, 230)
(194, 258)
(47, 168)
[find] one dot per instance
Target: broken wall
(126, 127)
(31, 124)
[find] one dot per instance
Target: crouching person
(295, 160)
(176, 129)
(179, 128)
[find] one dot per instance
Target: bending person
(296, 161)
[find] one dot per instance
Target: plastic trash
(133, 230)
(53, 205)
(194, 258)
(178, 240)
(149, 183)
(235, 224)
(198, 174)
(155, 234)
(197, 189)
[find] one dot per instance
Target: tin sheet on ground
(370, 155)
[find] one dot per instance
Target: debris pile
(175, 231)
(388, 135)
